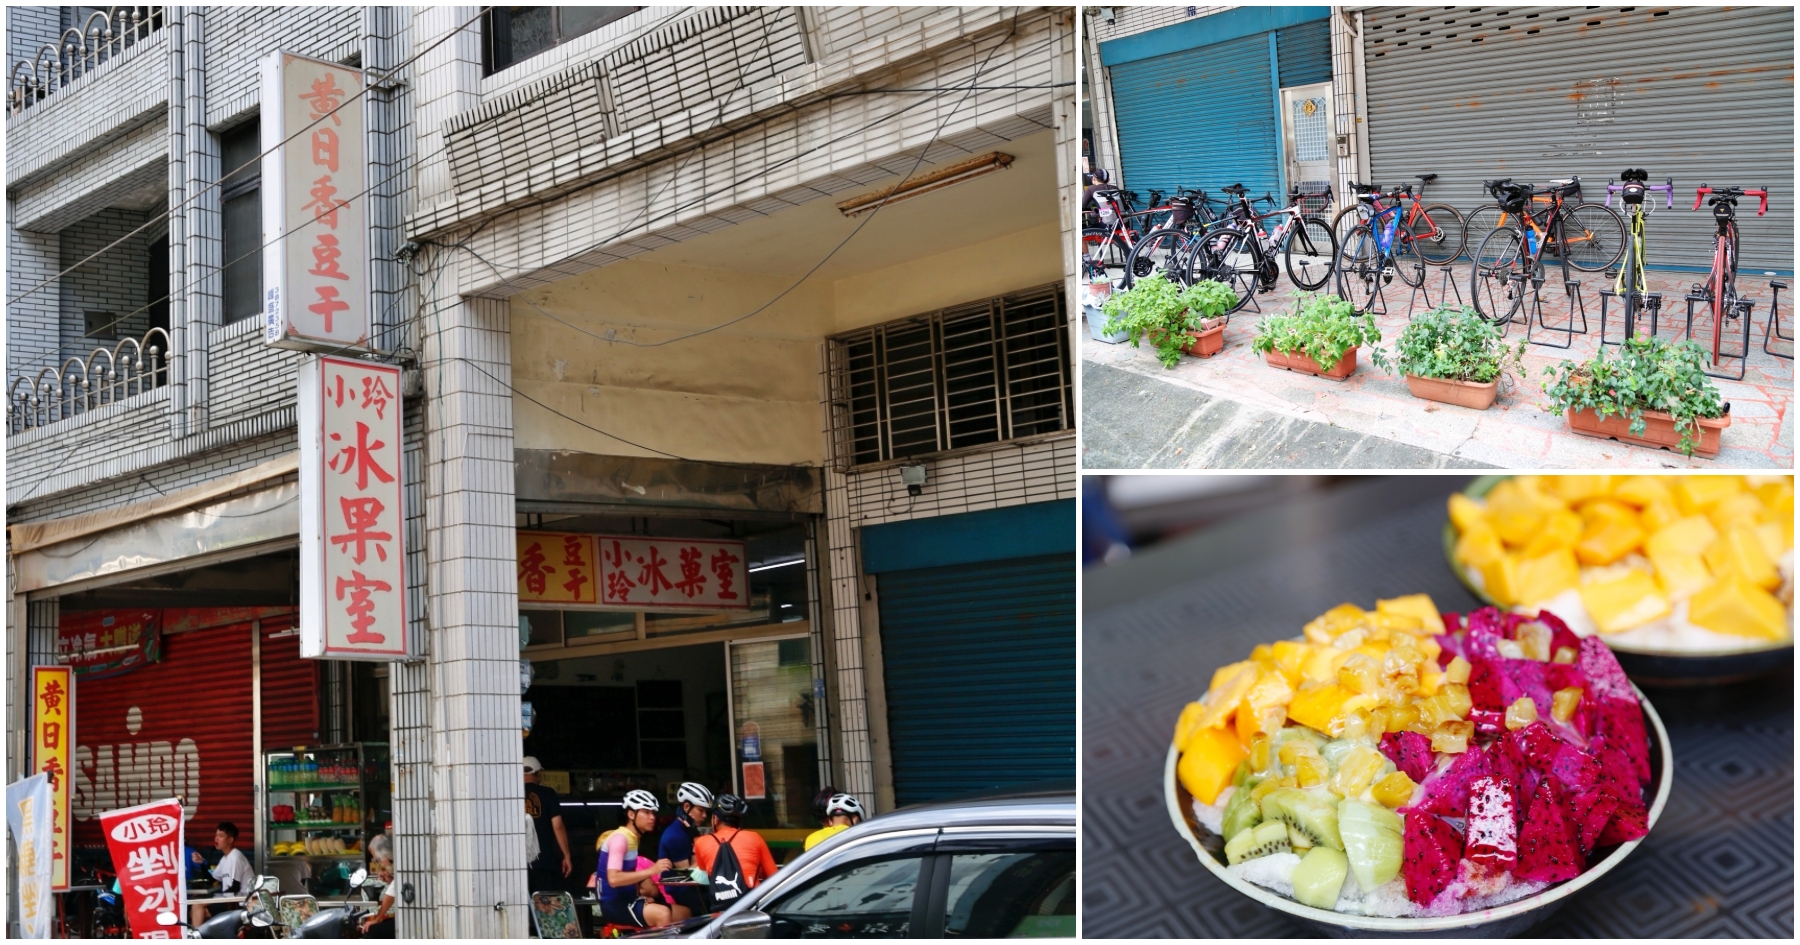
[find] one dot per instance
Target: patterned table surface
(1720, 862)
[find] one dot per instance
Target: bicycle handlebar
(1667, 188)
(1732, 193)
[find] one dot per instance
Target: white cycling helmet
(844, 804)
(642, 800)
(695, 794)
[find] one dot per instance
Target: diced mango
(1740, 550)
(1777, 497)
(1290, 655)
(1478, 546)
(1465, 512)
(1188, 721)
(1414, 605)
(1777, 537)
(1517, 511)
(1601, 512)
(1610, 542)
(1624, 602)
(1546, 576)
(1394, 790)
(1734, 605)
(1680, 573)
(1562, 529)
(1643, 491)
(1208, 761)
(1338, 620)
(1658, 515)
(1222, 700)
(1744, 508)
(1228, 671)
(1322, 664)
(1575, 489)
(1500, 578)
(1697, 494)
(1691, 534)
(1246, 724)
(1315, 707)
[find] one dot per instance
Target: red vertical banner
(352, 515)
(52, 745)
(146, 843)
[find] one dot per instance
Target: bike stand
(1513, 319)
(1413, 300)
(1572, 288)
(1742, 357)
(1447, 285)
(1650, 301)
(1775, 322)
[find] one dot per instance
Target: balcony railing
(80, 51)
(106, 376)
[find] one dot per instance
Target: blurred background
(1121, 514)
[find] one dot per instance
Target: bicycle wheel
(1159, 251)
(1438, 234)
(1103, 251)
(1593, 237)
(1347, 220)
(1408, 264)
(1311, 253)
(1223, 255)
(1495, 287)
(1359, 269)
(1481, 221)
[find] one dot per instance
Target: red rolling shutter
(290, 687)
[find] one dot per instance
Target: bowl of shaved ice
(1405, 772)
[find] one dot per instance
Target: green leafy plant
(1648, 374)
(1322, 327)
(1453, 344)
(1165, 312)
(1208, 299)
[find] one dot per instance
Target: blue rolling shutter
(979, 661)
(1304, 51)
(1202, 117)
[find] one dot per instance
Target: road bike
(1377, 250)
(1107, 247)
(1593, 236)
(1166, 249)
(1632, 287)
(1587, 237)
(1437, 229)
(1243, 256)
(1720, 291)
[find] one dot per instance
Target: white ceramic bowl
(1513, 918)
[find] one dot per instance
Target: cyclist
(843, 811)
(735, 858)
(621, 900)
(677, 845)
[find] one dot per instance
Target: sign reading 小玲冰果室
(146, 843)
(315, 223)
(633, 572)
(352, 514)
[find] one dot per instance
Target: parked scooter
(343, 921)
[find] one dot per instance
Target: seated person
(621, 890)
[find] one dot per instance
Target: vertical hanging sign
(146, 843)
(352, 518)
(315, 221)
(52, 742)
(28, 817)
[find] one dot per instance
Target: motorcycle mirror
(359, 877)
(166, 919)
(268, 883)
(261, 919)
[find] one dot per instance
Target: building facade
(792, 283)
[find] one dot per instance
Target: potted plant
(1094, 296)
(1654, 393)
(1172, 318)
(1319, 337)
(1454, 356)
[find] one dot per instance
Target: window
(1011, 895)
(241, 196)
(959, 377)
(515, 34)
(858, 900)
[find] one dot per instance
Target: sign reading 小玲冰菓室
(52, 746)
(621, 572)
(352, 515)
(315, 225)
(146, 843)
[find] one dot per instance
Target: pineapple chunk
(1458, 670)
(1740, 550)
(1360, 673)
(1294, 749)
(1575, 489)
(1734, 605)
(1356, 770)
(1322, 664)
(1333, 623)
(1477, 546)
(1414, 605)
(1624, 602)
(1657, 516)
(1545, 577)
(1500, 578)
(1696, 494)
(1465, 512)
(1267, 786)
(1777, 537)
(1259, 754)
(1741, 509)
(1394, 790)
(1452, 737)
(1208, 761)
(1564, 655)
(1643, 491)
(1521, 713)
(1562, 529)
(1609, 542)
(1564, 702)
(1429, 682)
(1534, 640)
(1315, 707)
(1459, 700)
(1311, 770)
(1680, 573)
(1692, 535)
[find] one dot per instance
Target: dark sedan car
(988, 866)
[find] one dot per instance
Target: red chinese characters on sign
(354, 509)
(146, 843)
(52, 737)
(556, 568)
(672, 573)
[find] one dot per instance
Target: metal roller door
(1202, 118)
(1700, 94)
(979, 661)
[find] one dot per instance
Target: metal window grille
(955, 378)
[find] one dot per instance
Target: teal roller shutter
(1305, 53)
(1203, 117)
(979, 662)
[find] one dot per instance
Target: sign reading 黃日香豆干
(146, 843)
(52, 745)
(315, 225)
(620, 572)
(352, 517)
(28, 817)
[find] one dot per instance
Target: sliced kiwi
(1241, 775)
(1335, 750)
(1372, 841)
(1299, 841)
(1241, 812)
(1252, 842)
(1319, 877)
(1313, 816)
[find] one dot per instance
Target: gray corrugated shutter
(1203, 117)
(1700, 94)
(1304, 52)
(979, 662)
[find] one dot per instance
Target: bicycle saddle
(1427, 178)
(1236, 190)
(1362, 188)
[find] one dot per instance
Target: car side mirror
(261, 918)
(748, 924)
(167, 919)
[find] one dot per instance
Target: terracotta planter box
(1299, 361)
(1459, 393)
(1208, 342)
(1659, 430)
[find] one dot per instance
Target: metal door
(1198, 118)
(1306, 135)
